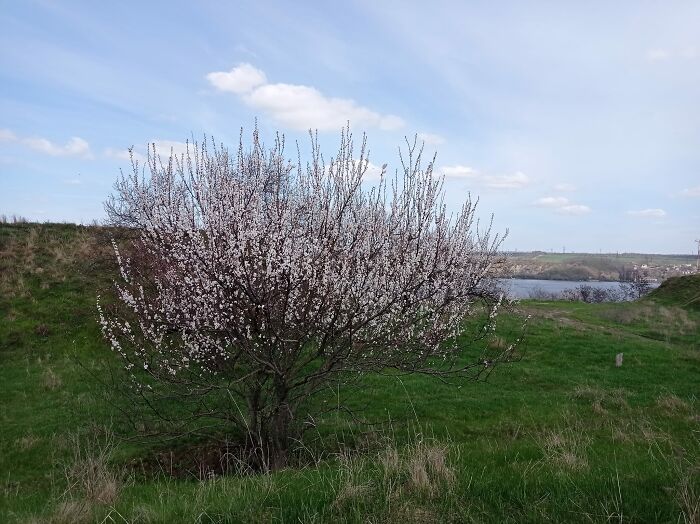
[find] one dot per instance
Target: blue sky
(576, 124)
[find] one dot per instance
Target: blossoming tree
(255, 281)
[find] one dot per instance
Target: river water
(524, 288)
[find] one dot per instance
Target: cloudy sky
(576, 124)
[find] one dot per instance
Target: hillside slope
(679, 291)
(560, 436)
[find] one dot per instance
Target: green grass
(560, 436)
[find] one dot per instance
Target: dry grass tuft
(89, 477)
(351, 485)
(94, 480)
(90, 482)
(51, 380)
(435, 458)
(498, 343)
(621, 431)
(419, 475)
(72, 512)
(652, 435)
(11, 314)
(587, 392)
(350, 492)
(688, 498)
(565, 449)
(27, 442)
(424, 466)
(601, 400)
(671, 403)
(416, 515)
(598, 408)
(406, 476)
(390, 460)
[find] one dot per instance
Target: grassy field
(560, 436)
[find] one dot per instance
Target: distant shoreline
(537, 277)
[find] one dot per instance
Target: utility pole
(697, 262)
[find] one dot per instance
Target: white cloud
(240, 80)
(165, 147)
(373, 173)
(7, 135)
(298, 106)
(123, 154)
(691, 192)
(551, 202)
(574, 209)
(648, 213)
(690, 53)
(562, 205)
(514, 181)
(660, 55)
(431, 139)
(76, 146)
(657, 55)
(458, 171)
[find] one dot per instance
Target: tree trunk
(269, 433)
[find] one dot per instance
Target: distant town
(602, 267)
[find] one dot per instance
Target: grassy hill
(561, 436)
(679, 291)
